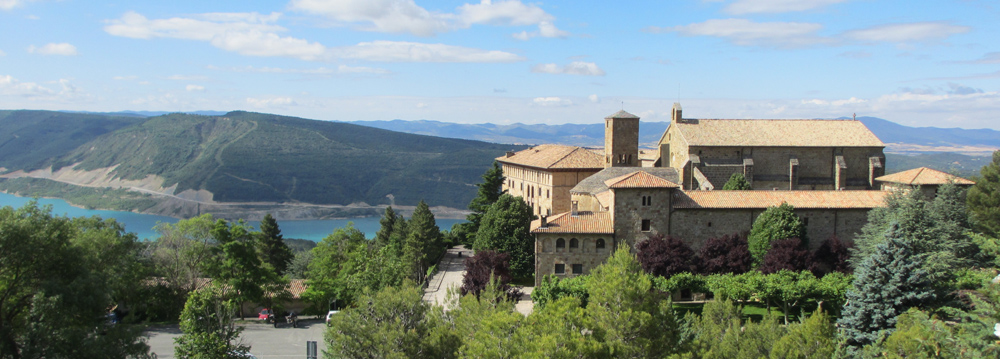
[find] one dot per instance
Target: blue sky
(918, 63)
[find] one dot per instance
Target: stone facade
(545, 191)
(591, 251)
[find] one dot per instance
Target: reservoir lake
(142, 224)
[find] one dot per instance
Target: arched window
(574, 243)
(600, 243)
(560, 243)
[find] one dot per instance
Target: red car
(265, 314)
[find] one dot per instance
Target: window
(600, 243)
(560, 243)
(560, 268)
(573, 243)
(548, 194)
(645, 225)
(647, 200)
(578, 269)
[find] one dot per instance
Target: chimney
(545, 221)
(675, 116)
(510, 154)
(575, 211)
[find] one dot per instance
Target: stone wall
(587, 254)
(629, 213)
(545, 192)
(695, 226)
(621, 142)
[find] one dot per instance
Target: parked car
(265, 314)
(330, 315)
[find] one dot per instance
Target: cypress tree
(886, 284)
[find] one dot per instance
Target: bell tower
(621, 140)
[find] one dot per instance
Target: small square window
(645, 225)
(578, 269)
(560, 268)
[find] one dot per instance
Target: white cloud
(401, 51)
(187, 77)
(62, 49)
(917, 31)
(194, 88)
(10, 86)
(265, 102)
(341, 69)
(740, 7)
(253, 34)
(748, 33)
(593, 98)
(125, 78)
(545, 29)
(574, 68)
(551, 101)
(405, 16)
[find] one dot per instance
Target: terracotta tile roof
(595, 183)
(777, 133)
(764, 199)
(924, 176)
(639, 179)
(605, 198)
(555, 157)
(583, 222)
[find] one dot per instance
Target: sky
(917, 63)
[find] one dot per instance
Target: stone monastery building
(588, 201)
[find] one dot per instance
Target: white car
(330, 314)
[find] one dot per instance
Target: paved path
(451, 269)
(265, 340)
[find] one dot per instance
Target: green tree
(272, 247)
(813, 338)
(390, 323)
(984, 198)
(334, 259)
(561, 329)
(386, 226)
(183, 252)
(208, 327)
(506, 228)
(423, 243)
(886, 284)
(245, 276)
(775, 223)
(737, 183)
(633, 319)
(488, 194)
(54, 288)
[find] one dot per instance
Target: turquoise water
(142, 224)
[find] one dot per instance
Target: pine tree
(489, 192)
(737, 183)
(984, 198)
(774, 224)
(386, 225)
(506, 228)
(423, 241)
(272, 247)
(886, 284)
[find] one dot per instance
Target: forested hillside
(253, 157)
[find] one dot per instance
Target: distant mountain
(586, 135)
(920, 139)
(252, 157)
(150, 113)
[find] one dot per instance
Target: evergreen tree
(240, 269)
(208, 327)
(506, 228)
(488, 194)
(423, 242)
(737, 183)
(386, 226)
(774, 224)
(814, 337)
(886, 284)
(984, 198)
(272, 247)
(633, 319)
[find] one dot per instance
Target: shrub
(831, 256)
(665, 256)
(726, 254)
(483, 266)
(785, 254)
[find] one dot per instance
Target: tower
(621, 140)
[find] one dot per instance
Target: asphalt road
(265, 341)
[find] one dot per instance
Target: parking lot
(265, 340)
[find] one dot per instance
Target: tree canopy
(984, 198)
(506, 228)
(737, 182)
(775, 223)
